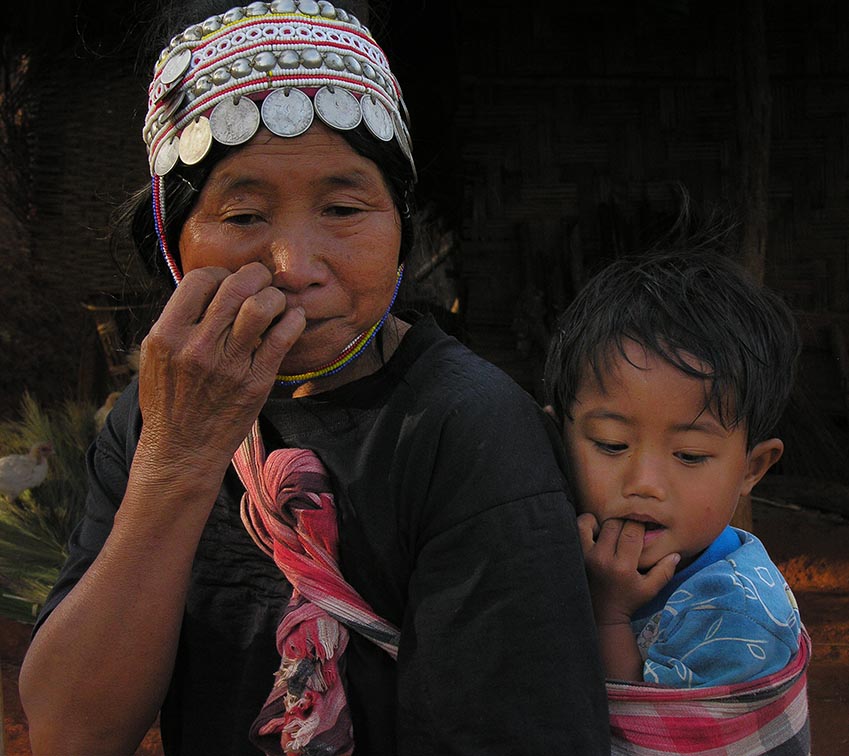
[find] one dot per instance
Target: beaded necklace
(350, 353)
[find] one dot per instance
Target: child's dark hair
(683, 302)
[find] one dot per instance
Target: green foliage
(34, 530)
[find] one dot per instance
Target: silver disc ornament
(338, 108)
(234, 121)
(172, 107)
(195, 141)
(403, 137)
(287, 112)
(166, 156)
(378, 121)
(176, 66)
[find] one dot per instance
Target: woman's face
(319, 216)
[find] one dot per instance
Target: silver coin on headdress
(176, 66)
(287, 112)
(172, 107)
(166, 156)
(234, 120)
(376, 118)
(161, 90)
(338, 108)
(402, 134)
(195, 141)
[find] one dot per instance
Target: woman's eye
(342, 211)
(691, 458)
(242, 219)
(610, 448)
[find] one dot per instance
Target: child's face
(645, 449)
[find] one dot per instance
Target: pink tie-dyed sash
(766, 716)
(289, 511)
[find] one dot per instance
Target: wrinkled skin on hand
(611, 553)
(209, 363)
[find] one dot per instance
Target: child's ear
(549, 410)
(763, 456)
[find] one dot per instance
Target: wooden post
(754, 106)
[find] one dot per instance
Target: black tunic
(455, 525)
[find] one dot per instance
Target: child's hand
(612, 553)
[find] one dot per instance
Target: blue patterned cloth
(728, 617)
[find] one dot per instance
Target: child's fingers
(630, 543)
(587, 531)
(659, 575)
(608, 534)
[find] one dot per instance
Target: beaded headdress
(278, 64)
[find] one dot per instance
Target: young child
(669, 373)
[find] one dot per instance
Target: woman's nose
(644, 476)
(294, 264)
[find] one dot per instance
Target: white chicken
(18, 472)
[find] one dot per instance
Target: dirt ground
(809, 547)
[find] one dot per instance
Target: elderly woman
(312, 527)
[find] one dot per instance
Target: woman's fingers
(277, 341)
(255, 316)
(233, 291)
(232, 317)
(190, 300)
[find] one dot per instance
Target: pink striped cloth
(288, 508)
(765, 716)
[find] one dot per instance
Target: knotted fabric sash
(288, 508)
(765, 716)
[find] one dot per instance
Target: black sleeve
(108, 463)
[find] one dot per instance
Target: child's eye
(690, 458)
(610, 448)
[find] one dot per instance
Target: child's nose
(645, 477)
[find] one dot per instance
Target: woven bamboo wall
(89, 158)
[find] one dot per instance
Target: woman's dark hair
(683, 301)
(183, 184)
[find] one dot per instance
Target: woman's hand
(209, 363)
(612, 554)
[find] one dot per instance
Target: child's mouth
(652, 530)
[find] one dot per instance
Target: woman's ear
(763, 456)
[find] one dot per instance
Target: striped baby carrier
(764, 716)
